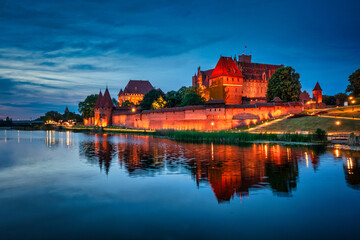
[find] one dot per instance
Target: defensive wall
(202, 117)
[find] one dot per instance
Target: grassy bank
(310, 123)
(226, 137)
(221, 137)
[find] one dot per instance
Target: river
(65, 185)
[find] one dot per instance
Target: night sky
(55, 53)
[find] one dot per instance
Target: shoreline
(217, 137)
(162, 134)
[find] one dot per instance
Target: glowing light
(133, 109)
(338, 123)
(353, 101)
(212, 123)
(350, 98)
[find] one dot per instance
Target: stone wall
(204, 117)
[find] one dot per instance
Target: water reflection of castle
(229, 170)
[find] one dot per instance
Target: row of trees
(185, 96)
(56, 116)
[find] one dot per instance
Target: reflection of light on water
(307, 159)
(337, 153)
(5, 136)
(18, 136)
(350, 165)
(61, 138)
(288, 151)
(266, 151)
(67, 138)
(212, 151)
(50, 138)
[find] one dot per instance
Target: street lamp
(338, 123)
(212, 126)
(133, 109)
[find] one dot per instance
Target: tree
(72, 116)
(86, 108)
(53, 116)
(192, 98)
(127, 103)
(115, 102)
(159, 103)
(150, 97)
(354, 86)
(285, 84)
(174, 98)
(329, 100)
(342, 97)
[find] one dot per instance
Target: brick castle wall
(202, 118)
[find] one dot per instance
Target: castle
(134, 91)
(235, 91)
(236, 80)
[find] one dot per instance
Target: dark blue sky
(55, 53)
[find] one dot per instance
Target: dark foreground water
(63, 185)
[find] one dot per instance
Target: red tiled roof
(137, 87)
(226, 66)
(317, 87)
(106, 100)
(98, 101)
(256, 70)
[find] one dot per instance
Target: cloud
(61, 51)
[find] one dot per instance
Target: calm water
(81, 186)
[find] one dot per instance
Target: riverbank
(219, 137)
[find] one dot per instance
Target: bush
(321, 135)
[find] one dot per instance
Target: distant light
(350, 98)
(338, 123)
(353, 101)
(133, 109)
(212, 123)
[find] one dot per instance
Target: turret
(105, 109)
(96, 109)
(317, 93)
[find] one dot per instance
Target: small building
(134, 91)
(317, 93)
(304, 97)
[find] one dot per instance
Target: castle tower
(226, 81)
(317, 93)
(105, 109)
(97, 109)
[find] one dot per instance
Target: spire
(106, 100)
(66, 110)
(98, 101)
(317, 87)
